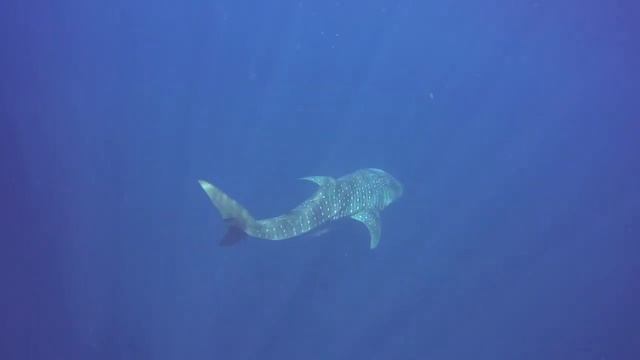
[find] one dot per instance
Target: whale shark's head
(392, 189)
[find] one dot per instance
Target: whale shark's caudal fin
(234, 214)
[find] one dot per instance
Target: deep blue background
(513, 125)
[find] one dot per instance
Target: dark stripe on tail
(233, 235)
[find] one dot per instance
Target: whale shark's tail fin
(234, 214)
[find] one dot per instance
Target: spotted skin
(360, 195)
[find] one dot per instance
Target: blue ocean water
(513, 126)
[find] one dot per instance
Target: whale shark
(360, 195)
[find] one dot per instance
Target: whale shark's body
(360, 195)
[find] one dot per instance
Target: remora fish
(360, 195)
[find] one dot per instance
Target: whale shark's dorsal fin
(320, 180)
(372, 220)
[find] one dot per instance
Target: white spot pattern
(368, 190)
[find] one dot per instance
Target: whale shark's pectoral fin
(320, 180)
(372, 220)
